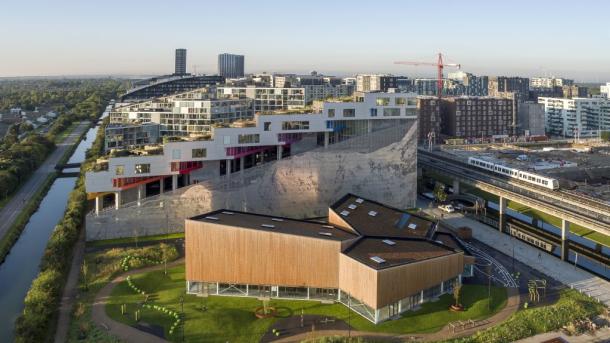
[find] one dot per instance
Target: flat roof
(373, 219)
(380, 253)
(277, 224)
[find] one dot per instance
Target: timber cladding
(227, 254)
(378, 288)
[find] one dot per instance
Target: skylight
(277, 219)
(211, 218)
(325, 233)
(359, 200)
(352, 207)
(372, 213)
(345, 213)
(389, 242)
(270, 226)
(227, 212)
(413, 226)
(378, 259)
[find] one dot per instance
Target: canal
(22, 263)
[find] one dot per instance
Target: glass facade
(324, 294)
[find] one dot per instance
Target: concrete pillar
(174, 182)
(369, 127)
(242, 164)
(161, 185)
(502, 214)
(141, 194)
(456, 187)
(565, 232)
(280, 151)
(117, 200)
(228, 168)
(99, 204)
(326, 137)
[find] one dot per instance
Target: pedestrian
(539, 256)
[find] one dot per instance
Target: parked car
(447, 208)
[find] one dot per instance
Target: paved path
(512, 305)
(120, 330)
(602, 335)
(70, 291)
(12, 209)
(552, 266)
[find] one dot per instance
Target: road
(11, 210)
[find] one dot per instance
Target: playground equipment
(534, 287)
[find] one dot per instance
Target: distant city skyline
(525, 38)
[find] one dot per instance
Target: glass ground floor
(325, 295)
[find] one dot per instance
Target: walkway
(552, 266)
(70, 291)
(512, 305)
(602, 335)
(12, 209)
(120, 330)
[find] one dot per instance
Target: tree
(457, 292)
(85, 270)
(439, 192)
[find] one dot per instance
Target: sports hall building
(375, 259)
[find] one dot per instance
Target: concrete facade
(380, 165)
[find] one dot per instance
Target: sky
(334, 37)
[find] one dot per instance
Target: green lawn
(152, 238)
(233, 318)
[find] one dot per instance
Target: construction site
(581, 167)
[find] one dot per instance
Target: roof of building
(379, 253)
(386, 236)
(370, 218)
(262, 222)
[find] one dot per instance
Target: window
(399, 101)
(413, 102)
(249, 138)
(199, 153)
(391, 112)
(227, 140)
(142, 168)
(119, 170)
(331, 112)
(267, 125)
(295, 125)
(349, 112)
(176, 154)
(373, 112)
(382, 101)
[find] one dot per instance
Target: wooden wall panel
(358, 279)
(335, 219)
(399, 282)
(221, 253)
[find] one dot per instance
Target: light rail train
(543, 181)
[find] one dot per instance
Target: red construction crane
(440, 65)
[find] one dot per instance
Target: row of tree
(42, 301)
(19, 158)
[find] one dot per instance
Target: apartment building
(470, 84)
(502, 84)
(231, 66)
(549, 82)
(576, 117)
(230, 148)
(375, 82)
(530, 120)
(605, 90)
(185, 114)
(267, 99)
(471, 117)
(429, 118)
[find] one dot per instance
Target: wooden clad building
(378, 260)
